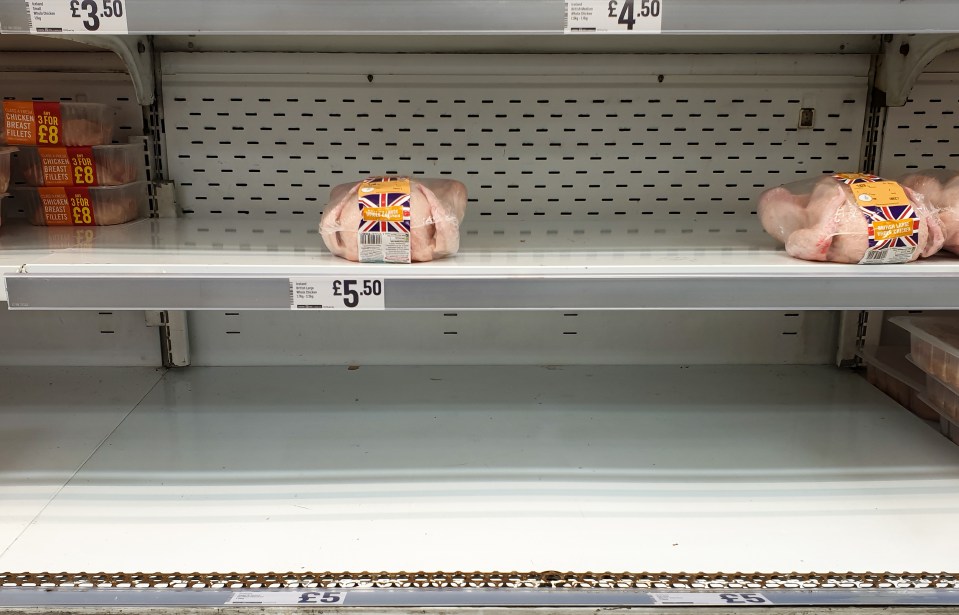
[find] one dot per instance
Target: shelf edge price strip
(710, 599)
(337, 293)
(77, 16)
(288, 598)
(613, 16)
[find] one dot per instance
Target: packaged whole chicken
(98, 206)
(5, 153)
(66, 124)
(98, 165)
(941, 189)
(394, 219)
(851, 218)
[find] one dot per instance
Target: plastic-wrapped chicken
(941, 188)
(851, 218)
(394, 219)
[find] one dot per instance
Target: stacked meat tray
(934, 349)
(73, 175)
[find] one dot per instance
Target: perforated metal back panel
(77, 338)
(924, 133)
(593, 142)
(478, 338)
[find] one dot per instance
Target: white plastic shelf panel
(53, 420)
(98, 338)
(516, 338)
(924, 133)
(588, 143)
(718, 468)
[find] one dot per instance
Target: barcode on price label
(613, 16)
(710, 599)
(78, 16)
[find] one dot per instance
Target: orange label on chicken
(66, 207)
(383, 214)
(879, 194)
(384, 185)
(31, 123)
(67, 166)
(884, 230)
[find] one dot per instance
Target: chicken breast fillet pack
(394, 219)
(851, 218)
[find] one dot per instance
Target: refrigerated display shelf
(192, 263)
(717, 468)
(513, 17)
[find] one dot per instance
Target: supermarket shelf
(513, 16)
(216, 264)
(53, 420)
(719, 468)
(562, 601)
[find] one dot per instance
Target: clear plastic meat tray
(5, 153)
(888, 370)
(101, 206)
(99, 165)
(934, 345)
(63, 124)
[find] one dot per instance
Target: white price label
(286, 598)
(340, 293)
(78, 16)
(710, 599)
(622, 16)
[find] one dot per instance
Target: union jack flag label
(893, 223)
(384, 228)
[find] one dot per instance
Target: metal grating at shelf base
(485, 580)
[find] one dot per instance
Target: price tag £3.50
(340, 293)
(78, 16)
(614, 16)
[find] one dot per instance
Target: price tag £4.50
(78, 16)
(339, 293)
(614, 16)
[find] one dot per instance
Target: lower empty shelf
(726, 468)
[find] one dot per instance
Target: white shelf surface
(157, 264)
(599, 468)
(53, 420)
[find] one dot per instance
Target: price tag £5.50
(614, 16)
(340, 293)
(78, 16)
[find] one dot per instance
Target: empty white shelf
(497, 468)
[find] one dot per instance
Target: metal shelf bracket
(136, 52)
(904, 58)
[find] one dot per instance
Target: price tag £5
(340, 293)
(78, 16)
(614, 16)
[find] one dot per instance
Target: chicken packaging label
(68, 166)
(32, 123)
(384, 228)
(893, 222)
(67, 206)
